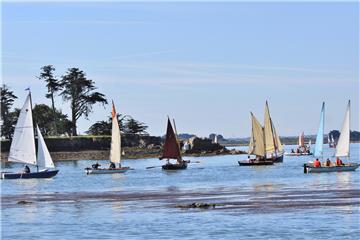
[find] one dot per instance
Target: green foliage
(43, 116)
(8, 117)
(133, 126)
(104, 127)
(53, 85)
(79, 91)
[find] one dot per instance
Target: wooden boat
(106, 170)
(23, 150)
(115, 150)
(342, 148)
(172, 150)
(255, 163)
(256, 146)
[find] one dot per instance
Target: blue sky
(205, 64)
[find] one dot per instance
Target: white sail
(257, 145)
(115, 150)
(343, 145)
(44, 159)
(22, 147)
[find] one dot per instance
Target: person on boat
(26, 169)
(328, 162)
(339, 162)
(112, 165)
(95, 166)
(292, 150)
(317, 163)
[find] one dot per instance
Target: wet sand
(223, 198)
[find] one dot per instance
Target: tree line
(80, 92)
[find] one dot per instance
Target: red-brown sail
(171, 146)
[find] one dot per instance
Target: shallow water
(277, 202)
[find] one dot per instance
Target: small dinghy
(302, 149)
(344, 168)
(115, 151)
(342, 148)
(172, 150)
(23, 150)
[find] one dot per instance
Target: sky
(205, 64)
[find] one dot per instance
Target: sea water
(269, 202)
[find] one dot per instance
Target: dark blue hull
(277, 159)
(41, 174)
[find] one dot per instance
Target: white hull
(106, 170)
(345, 168)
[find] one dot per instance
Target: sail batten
(115, 148)
(22, 147)
(320, 134)
(171, 145)
(44, 159)
(343, 145)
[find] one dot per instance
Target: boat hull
(41, 174)
(277, 159)
(255, 163)
(175, 166)
(298, 154)
(106, 170)
(345, 168)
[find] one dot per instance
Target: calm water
(74, 205)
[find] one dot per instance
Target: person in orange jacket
(317, 163)
(338, 162)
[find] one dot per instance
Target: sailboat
(342, 148)
(331, 141)
(302, 149)
(115, 150)
(273, 146)
(256, 145)
(172, 150)
(23, 150)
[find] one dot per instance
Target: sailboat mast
(32, 119)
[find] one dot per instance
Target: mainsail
(22, 147)
(115, 149)
(268, 131)
(320, 134)
(257, 144)
(301, 140)
(278, 143)
(343, 145)
(44, 159)
(171, 146)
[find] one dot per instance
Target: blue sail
(320, 134)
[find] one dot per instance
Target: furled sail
(343, 145)
(320, 134)
(22, 147)
(115, 149)
(171, 146)
(44, 159)
(257, 145)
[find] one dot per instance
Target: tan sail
(257, 145)
(268, 131)
(278, 143)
